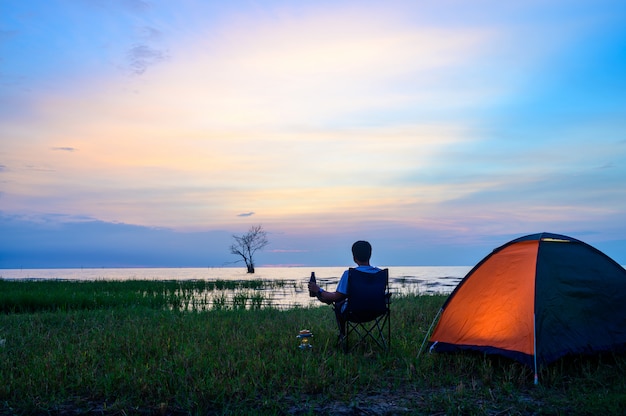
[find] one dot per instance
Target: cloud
(245, 214)
(315, 70)
(36, 168)
(150, 33)
(64, 149)
(143, 56)
(60, 241)
(608, 165)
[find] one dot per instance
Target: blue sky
(147, 133)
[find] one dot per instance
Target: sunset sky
(147, 133)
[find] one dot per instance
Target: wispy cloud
(64, 149)
(36, 168)
(150, 33)
(141, 57)
(245, 214)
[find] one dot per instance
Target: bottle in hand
(312, 280)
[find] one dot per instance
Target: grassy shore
(136, 348)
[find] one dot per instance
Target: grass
(19, 296)
(126, 349)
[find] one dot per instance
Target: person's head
(362, 251)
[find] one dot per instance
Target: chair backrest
(367, 295)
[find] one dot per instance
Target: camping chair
(367, 313)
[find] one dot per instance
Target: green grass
(19, 296)
(122, 354)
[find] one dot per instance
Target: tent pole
(535, 348)
(429, 331)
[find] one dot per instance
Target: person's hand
(313, 287)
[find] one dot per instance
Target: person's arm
(330, 297)
(325, 296)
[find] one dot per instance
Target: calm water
(416, 279)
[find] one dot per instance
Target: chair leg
(342, 342)
(378, 331)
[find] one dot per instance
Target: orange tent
(536, 299)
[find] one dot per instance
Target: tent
(535, 299)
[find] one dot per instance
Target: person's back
(368, 295)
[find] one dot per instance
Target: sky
(146, 133)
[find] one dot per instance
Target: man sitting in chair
(361, 253)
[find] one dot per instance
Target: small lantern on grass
(305, 339)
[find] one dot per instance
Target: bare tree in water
(248, 244)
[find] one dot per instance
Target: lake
(291, 292)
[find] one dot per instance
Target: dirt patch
(413, 402)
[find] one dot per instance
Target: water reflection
(291, 293)
(282, 288)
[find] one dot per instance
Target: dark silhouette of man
(361, 253)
